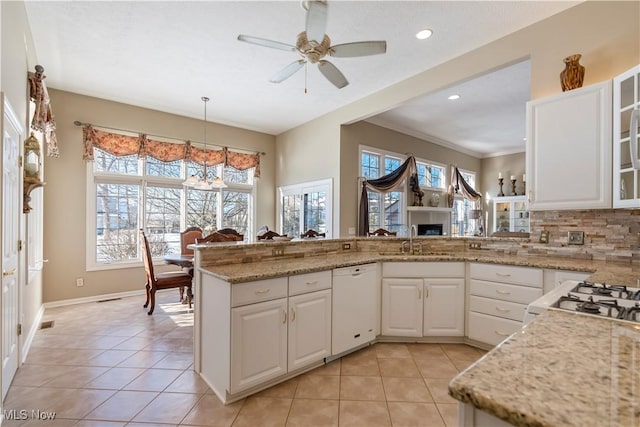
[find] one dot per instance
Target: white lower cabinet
(443, 310)
(309, 328)
(402, 307)
(498, 298)
(423, 299)
(272, 338)
(258, 343)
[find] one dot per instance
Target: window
(461, 224)
(431, 175)
(127, 193)
(306, 206)
(385, 210)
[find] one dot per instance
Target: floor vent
(46, 325)
(110, 299)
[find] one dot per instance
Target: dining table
(181, 260)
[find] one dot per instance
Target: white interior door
(12, 135)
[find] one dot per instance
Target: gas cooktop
(599, 299)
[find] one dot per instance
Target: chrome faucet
(404, 243)
(412, 232)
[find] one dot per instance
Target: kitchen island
(563, 369)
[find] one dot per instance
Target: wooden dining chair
(311, 233)
(188, 237)
(155, 282)
(217, 237)
(382, 232)
(231, 232)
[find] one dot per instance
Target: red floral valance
(141, 145)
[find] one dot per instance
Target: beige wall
(65, 201)
(364, 133)
(18, 56)
(607, 34)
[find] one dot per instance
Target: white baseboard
(95, 298)
(26, 344)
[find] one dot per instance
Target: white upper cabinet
(568, 157)
(626, 139)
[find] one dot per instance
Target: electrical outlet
(346, 246)
(475, 245)
(575, 237)
(79, 282)
(278, 251)
(544, 236)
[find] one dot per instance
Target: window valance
(143, 146)
(43, 116)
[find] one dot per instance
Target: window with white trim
(460, 215)
(431, 175)
(385, 210)
(306, 206)
(125, 194)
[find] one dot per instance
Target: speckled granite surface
(563, 369)
(608, 272)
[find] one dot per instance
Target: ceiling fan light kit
(313, 45)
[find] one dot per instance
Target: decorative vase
(573, 74)
(434, 200)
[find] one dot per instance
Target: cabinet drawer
(507, 274)
(494, 307)
(303, 283)
(490, 329)
(423, 269)
(501, 291)
(262, 290)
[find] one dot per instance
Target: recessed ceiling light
(424, 34)
(453, 97)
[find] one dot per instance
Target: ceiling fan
(313, 45)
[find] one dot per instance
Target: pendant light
(204, 184)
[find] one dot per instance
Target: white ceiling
(167, 55)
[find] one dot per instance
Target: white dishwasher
(356, 292)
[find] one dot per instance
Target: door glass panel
(626, 92)
(626, 185)
(638, 88)
(625, 120)
(625, 155)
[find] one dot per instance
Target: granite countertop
(607, 272)
(563, 369)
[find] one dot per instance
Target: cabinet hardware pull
(633, 140)
(313, 282)
(293, 314)
(503, 292)
(503, 310)
(285, 316)
(503, 274)
(263, 291)
(502, 334)
(426, 292)
(8, 273)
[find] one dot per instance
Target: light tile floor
(108, 364)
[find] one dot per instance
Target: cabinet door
(443, 307)
(309, 328)
(568, 155)
(402, 307)
(626, 102)
(258, 343)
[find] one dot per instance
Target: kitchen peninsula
(224, 270)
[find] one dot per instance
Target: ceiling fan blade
(349, 50)
(287, 71)
(332, 74)
(316, 20)
(266, 43)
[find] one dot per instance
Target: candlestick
(524, 178)
(513, 186)
(499, 175)
(513, 177)
(500, 182)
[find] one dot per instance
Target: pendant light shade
(204, 184)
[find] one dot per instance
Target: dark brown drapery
(460, 185)
(43, 116)
(384, 184)
(141, 145)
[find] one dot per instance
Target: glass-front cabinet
(511, 214)
(626, 139)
